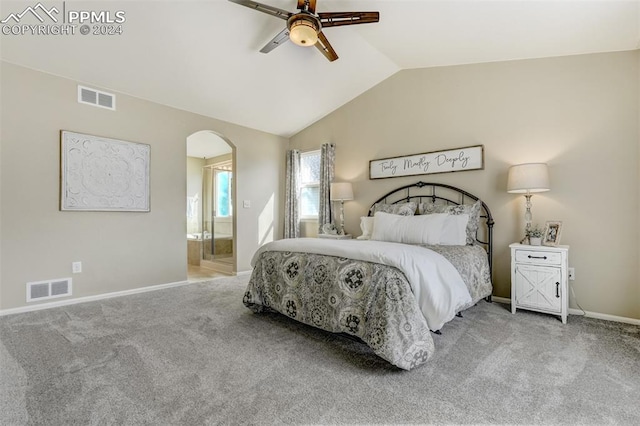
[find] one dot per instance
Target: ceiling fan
(304, 28)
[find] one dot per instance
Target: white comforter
(437, 285)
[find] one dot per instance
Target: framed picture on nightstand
(551, 236)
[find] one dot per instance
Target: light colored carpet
(195, 355)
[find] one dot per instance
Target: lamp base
(341, 230)
(527, 218)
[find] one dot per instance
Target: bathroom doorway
(211, 206)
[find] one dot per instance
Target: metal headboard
(423, 191)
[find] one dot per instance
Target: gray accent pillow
(402, 209)
(473, 210)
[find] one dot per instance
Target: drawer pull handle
(537, 257)
(557, 290)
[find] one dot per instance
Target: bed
(427, 258)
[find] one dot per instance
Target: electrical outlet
(76, 267)
(572, 274)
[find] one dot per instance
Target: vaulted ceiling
(203, 56)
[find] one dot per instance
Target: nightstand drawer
(538, 257)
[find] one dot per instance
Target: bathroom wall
(194, 188)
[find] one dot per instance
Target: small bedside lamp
(527, 179)
(341, 191)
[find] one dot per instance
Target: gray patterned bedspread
(369, 300)
(472, 264)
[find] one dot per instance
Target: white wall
(119, 251)
(579, 114)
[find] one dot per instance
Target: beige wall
(579, 114)
(119, 251)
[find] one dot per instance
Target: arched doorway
(211, 206)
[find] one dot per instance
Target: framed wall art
(103, 174)
(552, 232)
(452, 160)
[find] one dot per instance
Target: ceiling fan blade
(270, 10)
(336, 19)
(324, 46)
(280, 38)
(311, 5)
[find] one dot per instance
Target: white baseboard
(240, 273)
(606, 317)
(84, 299)
(502, 300)
(588, 314)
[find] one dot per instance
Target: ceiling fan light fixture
(304, 28)
(303, 33)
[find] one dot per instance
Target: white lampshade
(341, 191)
(529, 177)
(303, 33)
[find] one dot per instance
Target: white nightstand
(335, 236)
(539, 279)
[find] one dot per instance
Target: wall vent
(89, 96)
(43, 290)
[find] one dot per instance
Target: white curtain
(292, 191)
(327, 159)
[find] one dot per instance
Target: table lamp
(341, 191)
(528, 179)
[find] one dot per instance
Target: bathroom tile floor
(196, 273)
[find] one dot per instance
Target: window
(223, 180)
(309, 184)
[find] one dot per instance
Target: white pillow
(454, 229)
(366, 224)
(408, 229)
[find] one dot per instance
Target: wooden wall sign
(452, 160)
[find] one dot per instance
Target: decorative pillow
(472, 210)
(402, 209)
(454, 230)
(431, 208)
(408, 229)
(366, 224)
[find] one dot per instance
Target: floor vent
(43, 290)
(94, 97)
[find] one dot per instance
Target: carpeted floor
(195, 355)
